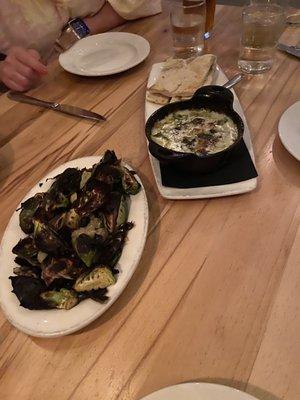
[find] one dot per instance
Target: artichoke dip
(198, 131)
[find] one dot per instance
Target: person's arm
(107, 18)
(21, 69)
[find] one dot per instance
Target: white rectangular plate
(208, 191)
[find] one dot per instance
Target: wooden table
(216, 295)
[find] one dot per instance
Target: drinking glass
(262, 27)
(188, 23)
(210, 16)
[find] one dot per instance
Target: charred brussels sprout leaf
(31, 271)
(58, 222)
(108, 174)
(84, 246)
(112, 250)
(28, 209)
(27, 250)
(28, 290)
(67, 183)
(116, 211)
(95, 228)
(129, 182)
(110, 158)
(63, 299)
(86, 174)
(41, 256)
(56, 268)
(98, 278)
(48, 241)
(99, 295)
(92, 198)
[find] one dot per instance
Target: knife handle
(30, 100)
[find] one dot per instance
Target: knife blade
(64, 108)
(293, 50)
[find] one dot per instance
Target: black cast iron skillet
(213, 97)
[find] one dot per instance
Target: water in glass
(187, 23)
(262, 26)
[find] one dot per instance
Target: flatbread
(182, 77)
(178, 98)
(157, 98)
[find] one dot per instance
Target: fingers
(31, 58)
(21, 69)
(24, 70)
(13, 85)
(14, 79)
(34, 54)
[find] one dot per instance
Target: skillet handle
(163, 155)
(215, 92)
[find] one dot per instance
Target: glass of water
(263, 23)
(188, 25)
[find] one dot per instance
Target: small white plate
(208, 191)
(289, 130)
(105, 54)
(199, 391)
(54, 323)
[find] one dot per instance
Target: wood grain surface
(216, 295)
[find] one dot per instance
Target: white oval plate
(105, 54)
(289, 130)
(199, 391)
(54, 323)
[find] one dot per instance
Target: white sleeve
(133, 9)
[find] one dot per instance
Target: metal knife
(64, 108)
(293, 50)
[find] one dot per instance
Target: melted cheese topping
(198, 131)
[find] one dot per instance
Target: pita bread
(174, 99)
(181, 77)
(157, 98)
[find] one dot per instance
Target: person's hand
(22, 69)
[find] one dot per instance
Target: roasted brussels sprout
(56, 268)
(56, 201)
(57, 222)
(99, 278)
(67, 183)
(48, 241)
(129, 182)
(86, 240)
(27, 250)
(63, 299)
(28, 209)
(72, 219)
(28, 290)
(116, 211)
(92, 198)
